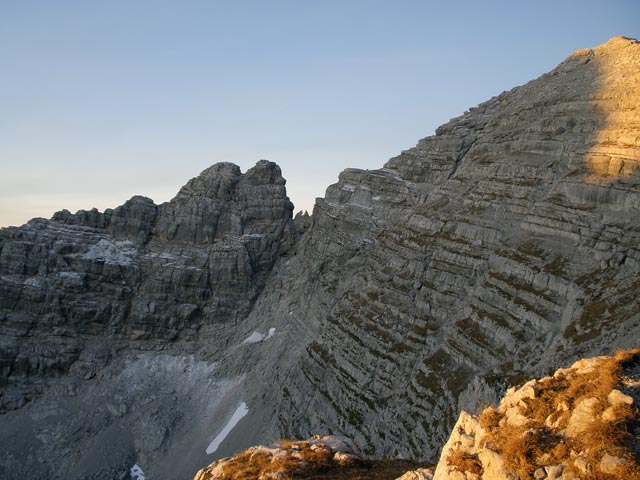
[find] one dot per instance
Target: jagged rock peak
(218, 202)
(265, 172)
(222, 201)
(215, 180)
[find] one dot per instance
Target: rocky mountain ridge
(86, 297)
(502, 246)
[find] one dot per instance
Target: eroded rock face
(503, 245)
(83, 294)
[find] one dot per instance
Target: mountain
(101, 315)
(169, 335)
(496, 250)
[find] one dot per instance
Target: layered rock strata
(83, 296)
(505, 244)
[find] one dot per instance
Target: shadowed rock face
(82, 292)
(140, 271)
(503, 245)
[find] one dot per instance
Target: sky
(103, 100)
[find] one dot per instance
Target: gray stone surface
(505, 244)
(501, 247)
(84, 294)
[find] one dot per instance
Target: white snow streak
(136, 473)
(240, 412)
(257, 337)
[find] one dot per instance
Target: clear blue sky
(101, 100)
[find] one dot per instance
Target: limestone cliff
(101, 312)
(502, 246)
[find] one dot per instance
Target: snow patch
(240, 412)
(257, 337)
(136, 473)
(348, 187)
(376, 198)
(118, 253)
(70, 275)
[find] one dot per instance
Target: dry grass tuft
(489, 418)
(464, 462)
(306, 462)
(544, 441)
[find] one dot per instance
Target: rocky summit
(101, 314)
(149, 340)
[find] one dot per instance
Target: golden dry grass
(464, 462)
(250, 466)
(318, 464)
(543, 440)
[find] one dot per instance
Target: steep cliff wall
(102, 313)
(503, 245)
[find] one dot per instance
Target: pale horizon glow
(100, 101)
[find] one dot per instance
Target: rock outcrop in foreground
(319, 458)
(582, 423)
(162, 337)
(283, 459)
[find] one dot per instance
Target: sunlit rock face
(578, 423)
(502, 246)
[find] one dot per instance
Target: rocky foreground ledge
(328, 457)
(582, 423)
